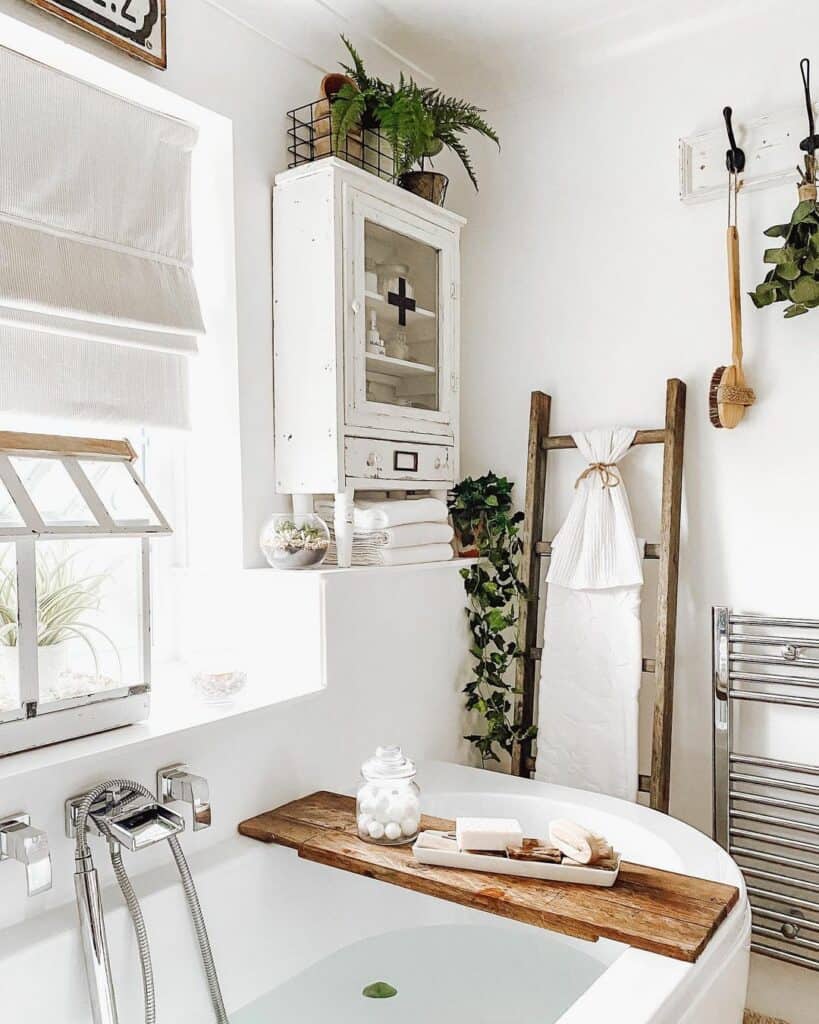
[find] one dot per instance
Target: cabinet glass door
(401, 306)
(399, 365)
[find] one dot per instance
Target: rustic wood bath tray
(674, 915)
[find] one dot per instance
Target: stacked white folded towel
(399, 531)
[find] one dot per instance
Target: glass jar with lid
(390, 276)
(388, 802)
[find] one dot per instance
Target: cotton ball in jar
(381, 811)
(367, 800)
(409, 826)
(376, 830)
(411, 806)
(392, 831)
(396, 810)
(364, 821)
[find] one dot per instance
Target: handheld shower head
(126, 814)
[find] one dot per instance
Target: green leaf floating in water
(379, 990)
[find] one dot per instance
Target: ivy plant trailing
(485, 522)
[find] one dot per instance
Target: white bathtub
(272, 916)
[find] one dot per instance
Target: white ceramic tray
(501, 864)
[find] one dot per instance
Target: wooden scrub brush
(729, 394)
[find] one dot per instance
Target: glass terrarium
(294, 541)
(75, 523)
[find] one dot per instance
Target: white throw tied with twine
(596, 546)
(592, 646)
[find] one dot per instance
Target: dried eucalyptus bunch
(794, 274)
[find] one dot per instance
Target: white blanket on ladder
(592, 647)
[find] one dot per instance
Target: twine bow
(609, 477)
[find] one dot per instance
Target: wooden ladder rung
(544, 548)
(567, 441)
(648, 665)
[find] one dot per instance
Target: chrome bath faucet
(20, 841)
(176, 783)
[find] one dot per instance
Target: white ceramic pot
(51, 661)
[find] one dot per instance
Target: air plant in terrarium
(65, 600)
(418, 123)
(794, 273)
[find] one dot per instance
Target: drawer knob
(438, 462)
(372, 459)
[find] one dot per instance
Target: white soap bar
(488, 834)
(432, 840)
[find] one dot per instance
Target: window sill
(279, 621)
(175, 709)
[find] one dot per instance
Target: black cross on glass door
(402, 300)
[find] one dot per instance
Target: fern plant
(452, 118)
(418, 122)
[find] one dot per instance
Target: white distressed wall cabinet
(353, 253)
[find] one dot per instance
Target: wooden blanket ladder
(667, 551)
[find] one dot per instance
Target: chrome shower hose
(135, 789)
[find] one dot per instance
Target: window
(136, 379)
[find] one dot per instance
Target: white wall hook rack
(771, 143)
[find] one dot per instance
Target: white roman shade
(96, 277)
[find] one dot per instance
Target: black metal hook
(734, 157)
(811, 143)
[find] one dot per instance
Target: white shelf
(397, 367)
(418, 311)
(455, 562)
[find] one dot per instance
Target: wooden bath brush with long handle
(729, 394)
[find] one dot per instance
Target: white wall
(584, 276)
(393, 671)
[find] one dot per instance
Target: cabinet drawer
(397, 460)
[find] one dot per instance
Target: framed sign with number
(135, 26)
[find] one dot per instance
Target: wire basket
(311, 137)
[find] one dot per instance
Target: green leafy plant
(484, 519)
(794, 273)
(64, 600)
(418, 122)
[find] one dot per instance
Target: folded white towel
(412, 535)
(373, 554)
(419, 553)
(380, 515)
(408, 536)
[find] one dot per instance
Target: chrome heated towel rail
(766, 811)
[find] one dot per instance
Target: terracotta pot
(330, 85)
(351, 148)
(332, 82)
(429, 185)
(470, 549)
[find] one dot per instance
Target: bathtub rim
(668, 989)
